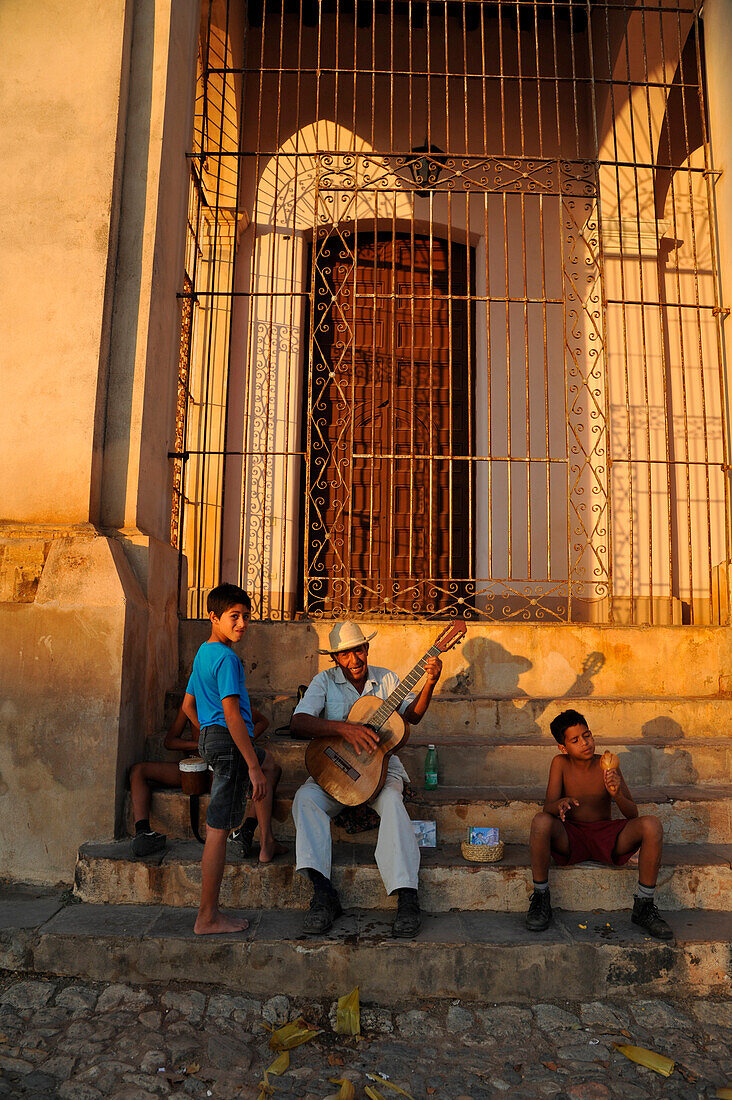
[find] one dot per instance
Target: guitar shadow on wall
(493, 674)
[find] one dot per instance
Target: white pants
(397, 851)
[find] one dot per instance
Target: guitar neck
(401, 691)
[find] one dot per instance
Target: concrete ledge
(479, 762)
(670, 719)
(503, 660)
(692, 877)
(688, 814)
(486, 957)
(22, 910)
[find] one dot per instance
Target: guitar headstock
(450, 636)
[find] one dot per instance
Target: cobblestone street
(83, 1040)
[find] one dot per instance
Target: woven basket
(482, 853)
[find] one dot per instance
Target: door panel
(389, 494)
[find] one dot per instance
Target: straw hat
(346, 636)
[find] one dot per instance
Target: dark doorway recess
(390, 432)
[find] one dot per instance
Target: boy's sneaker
(325, 907)
(539, 915)
(240, 843)
(648, 917)
(146, 844)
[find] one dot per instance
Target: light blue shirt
(218, 673)
(330, 695)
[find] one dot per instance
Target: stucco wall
(64, 86)
(97, 108)
(69, 700)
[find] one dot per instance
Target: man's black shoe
(539, 915)
(648, 917)
(408, 920)
(325, 907)
(146, 844)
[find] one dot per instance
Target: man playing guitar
(321, 713)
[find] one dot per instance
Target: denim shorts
(230, 786)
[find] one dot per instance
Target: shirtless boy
(576, 825)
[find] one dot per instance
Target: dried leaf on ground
(265, 1089)
(550, 1065)
(648, 1058)
(346, 1091)
(373, 1093)
(281, 1064)
(291, 1035)
(192, 1067)
(334, 1060)
(348, 1014)
(389, 1085)
(724, 1094)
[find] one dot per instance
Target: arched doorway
(390, 423)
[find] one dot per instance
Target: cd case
(426, 833)
(479, 834)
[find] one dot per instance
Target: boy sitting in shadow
(576, 825)
(151, 774)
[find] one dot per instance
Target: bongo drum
(195, 778)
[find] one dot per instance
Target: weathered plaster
(60, 172)
(71, 677)
(97, 109)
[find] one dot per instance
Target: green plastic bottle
(430, 768)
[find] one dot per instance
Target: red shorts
(593, 840)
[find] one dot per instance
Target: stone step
(486, 958)
(469, 761)
(669, 719)
(695, 814)
(692, 877)
(559, 661)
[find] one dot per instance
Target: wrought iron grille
(454, 341)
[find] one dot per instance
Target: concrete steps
(473, 762)
(693, 877)
(484, 716)
(478, 957)
(661, 698)
(693, 814)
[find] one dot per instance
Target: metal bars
(468, 359)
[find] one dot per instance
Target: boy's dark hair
(224, 596)
(563, 721)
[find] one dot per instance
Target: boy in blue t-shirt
(217, 700)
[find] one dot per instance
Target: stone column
(718, 65)
(718, 52)
(97, 108)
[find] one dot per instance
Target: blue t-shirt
(218, 672)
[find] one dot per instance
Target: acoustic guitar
(355, 776)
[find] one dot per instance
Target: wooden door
(390, 434)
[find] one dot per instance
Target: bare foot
(219, 923)
(268, 852)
